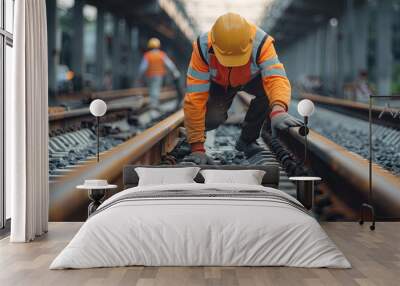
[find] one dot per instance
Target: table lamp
(306, 109)
(98, 108)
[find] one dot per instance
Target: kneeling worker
(234, 56)
(153, 66)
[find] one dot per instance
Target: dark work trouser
(220, 100)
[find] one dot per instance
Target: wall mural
(136, 77)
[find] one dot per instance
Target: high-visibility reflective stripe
(198, 87)
(198, 74)
(267, 63)
(260, 34)
(254, 67)
(204, 46)
(273, 72)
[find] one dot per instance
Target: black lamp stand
(98, 138)
(303, 131)
(369, 206)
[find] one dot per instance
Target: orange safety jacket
(204, 67)
(156, 64)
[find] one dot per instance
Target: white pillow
(248, 177)
(166, 176)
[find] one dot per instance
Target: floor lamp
(305, 184)
(369, 205)
(98, 108)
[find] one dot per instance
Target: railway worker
(153, 66)
(234, 56)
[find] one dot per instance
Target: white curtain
(27, 124)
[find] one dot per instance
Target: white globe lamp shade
(333, 22)
(98, 107)
(305, 107)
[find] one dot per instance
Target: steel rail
(79, 112)
(145, 148)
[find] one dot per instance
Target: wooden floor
(375, 257)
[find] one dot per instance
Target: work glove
(282, 121)
(199, 158)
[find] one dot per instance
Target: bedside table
(96, 194)
(305, 190)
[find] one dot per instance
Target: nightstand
(305, 190)
(96, 193)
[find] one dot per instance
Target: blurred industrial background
(97, 45)
(339, 48)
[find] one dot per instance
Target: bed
(198, 224)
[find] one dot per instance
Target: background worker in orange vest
(234, 56)
(154, 64)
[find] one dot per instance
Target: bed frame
(270, 179)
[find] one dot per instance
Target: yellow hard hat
(232, 40)
(153, 43)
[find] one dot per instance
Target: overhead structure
(274, 12)
(289, 20)
(205, 12)
(178, 14)
(165, 18)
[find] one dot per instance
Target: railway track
(343, 173)
(346, 127)
(72, 132)
(75, 147)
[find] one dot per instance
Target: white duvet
(200, 231)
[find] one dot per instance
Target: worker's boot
(248, 148)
